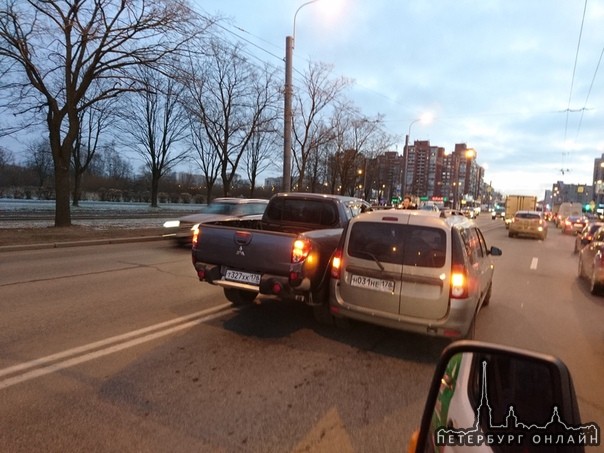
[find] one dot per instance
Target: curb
(57, 245)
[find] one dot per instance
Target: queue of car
(589, 245)
(573, 224)
(591, 262)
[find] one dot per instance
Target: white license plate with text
(242, 277)
(376, 284)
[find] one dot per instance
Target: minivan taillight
(336, 264)
(459, 282)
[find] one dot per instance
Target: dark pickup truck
(283, 254)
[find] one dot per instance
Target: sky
(517, 80)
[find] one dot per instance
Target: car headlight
(172, 224)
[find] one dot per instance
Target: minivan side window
(472, 244)
(481, 242)
(464, 234)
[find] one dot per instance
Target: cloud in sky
(495, 74)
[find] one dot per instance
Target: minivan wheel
(594, 286)
(471, 331)
(342, 323)
(487, 298)
(322, 314)
(239, 297)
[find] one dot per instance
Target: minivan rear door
(397, 268)
(373, 267)
(426, 267)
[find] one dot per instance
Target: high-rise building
(432, 173)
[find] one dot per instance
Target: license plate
(376, 284)
(242, 277)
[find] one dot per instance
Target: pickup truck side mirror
(487, 397)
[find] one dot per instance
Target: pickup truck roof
(312, 209)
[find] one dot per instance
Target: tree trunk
(77, 188)
(209, 191)
(62, 194)
(154, 189)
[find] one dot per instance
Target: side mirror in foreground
(493, 398)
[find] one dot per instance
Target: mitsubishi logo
(242, 238)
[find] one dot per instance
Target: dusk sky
(517, 80)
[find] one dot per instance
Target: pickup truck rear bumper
(270, 285)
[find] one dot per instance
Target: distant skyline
(516, 80)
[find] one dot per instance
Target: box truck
(515, 203)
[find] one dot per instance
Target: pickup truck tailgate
(244, 249)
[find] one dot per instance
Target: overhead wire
(593, 79)
(570, 95)
(572, 82)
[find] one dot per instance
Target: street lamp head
(296, 14)
(427, 118)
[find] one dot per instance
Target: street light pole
(406, 158)
(287, 114)
(288, 94)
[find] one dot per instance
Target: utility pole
(287, 115)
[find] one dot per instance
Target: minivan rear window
(411, 245)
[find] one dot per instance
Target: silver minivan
(412, 271)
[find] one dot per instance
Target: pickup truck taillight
(336, 264)
(195, 230)
(300, 250)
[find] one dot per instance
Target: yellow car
(528, 223)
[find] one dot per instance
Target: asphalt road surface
(120, 348)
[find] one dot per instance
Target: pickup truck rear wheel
(239, 297)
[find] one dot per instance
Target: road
(120, 348)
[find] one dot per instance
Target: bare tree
(39, 160)
(232, 101)
(263, 143)
(52, 52)
(207, 158)
(153, 122)
(93, 121)
(358, 139)
(311, 110)
(112, 164)
(6, 158)
(260, 156)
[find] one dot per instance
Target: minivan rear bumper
(455, 324)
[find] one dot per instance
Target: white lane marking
(534, 263)
(210, 314)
